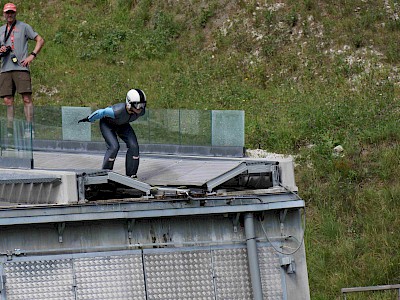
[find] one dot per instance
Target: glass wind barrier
(178, 127)
(157, 126)
(16, 143)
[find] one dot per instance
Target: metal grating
(13, 178)
(47, 280)
(179, 275)
(110, 277)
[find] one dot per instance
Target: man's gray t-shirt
(20, 35)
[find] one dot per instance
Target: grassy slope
(310, 75)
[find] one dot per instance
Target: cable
(300, 243)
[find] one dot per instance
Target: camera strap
(7, 35)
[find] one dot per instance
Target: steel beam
(129, 211)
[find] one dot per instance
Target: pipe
(253, 256)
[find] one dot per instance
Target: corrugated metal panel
(110, 277)
(39, 280)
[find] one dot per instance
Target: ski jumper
(114, 123)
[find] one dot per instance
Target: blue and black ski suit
(114, 121)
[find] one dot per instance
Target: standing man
(15, 62)
(114, 123)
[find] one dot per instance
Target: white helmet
(135, 98)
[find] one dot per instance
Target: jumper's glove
(86, 119)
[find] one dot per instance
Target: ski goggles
(139, 105)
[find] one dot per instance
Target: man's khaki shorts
(15, 81)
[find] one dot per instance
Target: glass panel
(48, 123)
(15, 143)
(164, 126)
(71, 129)
(195, 127)
(228, 128)
(157, 126)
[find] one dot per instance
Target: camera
(5, 53)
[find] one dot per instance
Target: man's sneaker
(134, 177)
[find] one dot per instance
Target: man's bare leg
(9, 102)
(28, 107)
(28, 110)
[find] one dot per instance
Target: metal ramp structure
(188, 228)
(175, 177)
(159, 177)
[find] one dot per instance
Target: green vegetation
(310, 75)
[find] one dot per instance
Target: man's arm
(39, 44)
